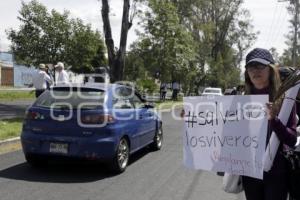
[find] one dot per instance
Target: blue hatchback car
(105, 122)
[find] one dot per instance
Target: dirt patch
(9, 147)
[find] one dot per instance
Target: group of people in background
(43, 78)
(235, 91)
(164, 88)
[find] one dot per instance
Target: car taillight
(97, 119)
(32, 115)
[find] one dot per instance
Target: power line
(279, 29)
(276, 26)
(271, 27)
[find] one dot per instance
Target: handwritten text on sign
(226, 133)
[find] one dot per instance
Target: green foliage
(146, 85)
(85, 48)
(135, 63)
(222, 32)
(10, 128)
(196, 42)
(286, 59)
(166, 46)
(165, 49)
(49, 37)
(11, 95)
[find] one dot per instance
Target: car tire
(120, 161)
(36, 161)
(158, 139)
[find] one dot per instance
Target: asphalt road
(150, 176)
(13, 109)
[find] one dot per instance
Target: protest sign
(226, 133)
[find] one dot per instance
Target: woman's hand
(271, 111)
(182, 113)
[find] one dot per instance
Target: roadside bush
(147, 85)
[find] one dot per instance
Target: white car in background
(210, 91)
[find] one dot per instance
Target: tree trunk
(108, 38)
(116, 61)
(120, 60)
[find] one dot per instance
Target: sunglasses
(255, 66)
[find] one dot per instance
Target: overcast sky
(269, 17)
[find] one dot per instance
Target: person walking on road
(40, 80)
(163, 91)
(262, 77)
(63, 77)
(175, 88)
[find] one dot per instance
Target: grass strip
(10, 95)
(10, 128)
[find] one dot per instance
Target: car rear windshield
(71, 98)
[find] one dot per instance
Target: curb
(18, 89)
(9, 141)
(10, 145)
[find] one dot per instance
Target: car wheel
(121, 158)
(158, 139)
(35, 161)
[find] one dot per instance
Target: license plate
(58, 148)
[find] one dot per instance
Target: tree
(198, 42)
(290, 56)
(286, 57)
(135, 64)
(166, 44)
(275, 54)
(49, 37)
(222, 32)
(85, 47)
(116, 58)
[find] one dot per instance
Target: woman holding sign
(262, 77)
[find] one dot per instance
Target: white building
(12, 74)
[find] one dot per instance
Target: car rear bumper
(93, 148)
